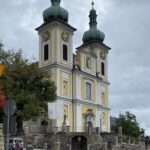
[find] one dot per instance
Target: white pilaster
(78, 118)
(78, 87)
(97, 118)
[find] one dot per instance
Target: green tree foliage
(25, 83)
(129, 124)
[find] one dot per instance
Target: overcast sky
(126, 24)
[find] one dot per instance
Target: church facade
(82, 78)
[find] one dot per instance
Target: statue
(64, 124)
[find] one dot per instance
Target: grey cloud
(128, 33)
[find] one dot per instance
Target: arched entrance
(79, 143)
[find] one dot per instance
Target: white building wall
(78, 118)
(93, 67)
(58, 46)
(40, 51)
(58, 81)
(52, 45)
(78, 87)
(100, 91)
(97, 93)
(108, 121)
(106, 67)
(71, 50)
(82, 61)
(97, 118)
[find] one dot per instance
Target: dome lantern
(55, 2)
(93, 34)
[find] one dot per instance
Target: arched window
(46, 52)
(88, 91)
(103, 68)
(88, 63)
(65, 52)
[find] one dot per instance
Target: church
(81, 78)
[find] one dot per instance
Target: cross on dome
(92, 4)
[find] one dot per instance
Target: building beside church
(82, 78)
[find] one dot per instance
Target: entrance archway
(79, 143)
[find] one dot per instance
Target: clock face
(103, 55)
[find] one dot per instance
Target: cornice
(91, 76)
(94, 44)
(55, 23)
(77, 101)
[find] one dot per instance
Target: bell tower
(92, 77)
(81, 79)
(56, 56)
(55, 37)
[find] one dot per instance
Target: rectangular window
(103, 68)
(65, 52)
(46, 52)
(88, 91)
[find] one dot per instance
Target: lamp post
(2, 101)
(9, 110)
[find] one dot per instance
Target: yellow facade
(65, 84)
(93, 91)
(81, 88)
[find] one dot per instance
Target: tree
(129, 124)
(25, 83)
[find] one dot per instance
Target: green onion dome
(93, 34)
(55, 12)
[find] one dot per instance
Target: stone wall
(114, 142)
(95, 141)
(1, 138)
